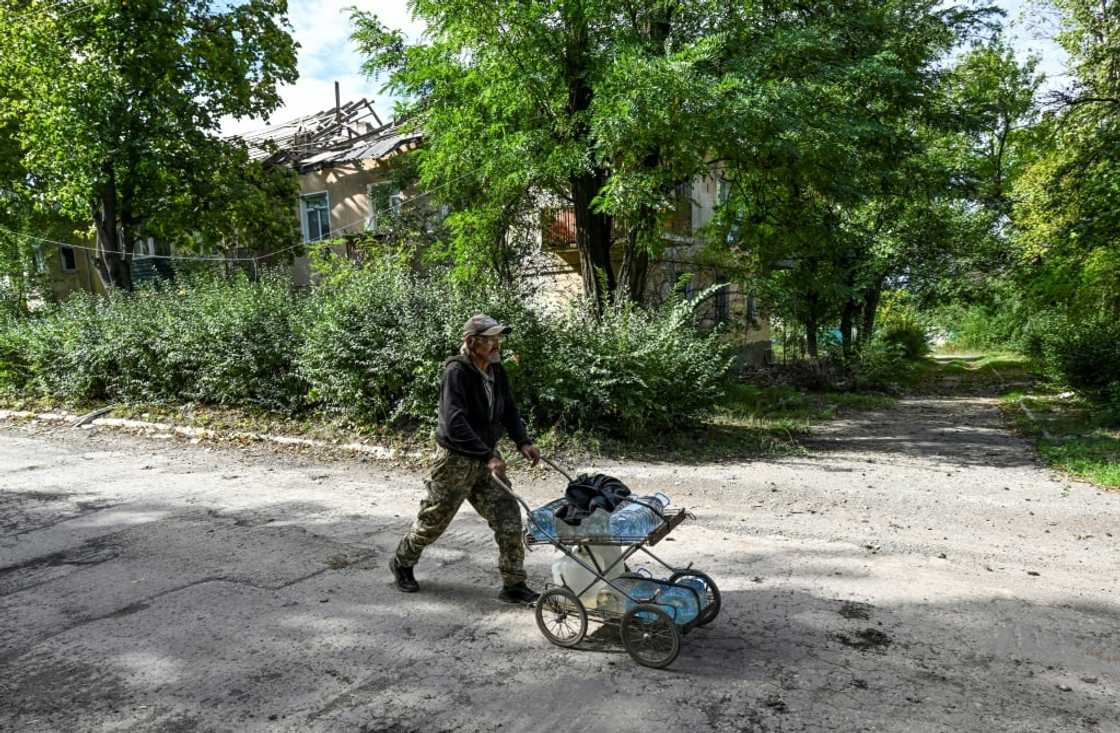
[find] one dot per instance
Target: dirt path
(916, 570)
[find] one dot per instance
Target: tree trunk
(811, 323)
(593, 239)
(593, 229)
(871, 298)
(847, 322)
(113, 267)
(635, 260)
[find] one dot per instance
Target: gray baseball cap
(484, 325)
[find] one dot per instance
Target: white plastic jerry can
(567, 572)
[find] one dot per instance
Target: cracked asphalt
(915, 570)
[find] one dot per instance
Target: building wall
(346, 187)
(557, 271)
(83, 277)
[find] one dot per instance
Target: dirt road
(915, 570)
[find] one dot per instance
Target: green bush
(994, 325)
(1086, 356)
(630, 370)
(374, 341)
(367, 344)
(901, 327)
(206, 339)
(13, 364)
(882, 365)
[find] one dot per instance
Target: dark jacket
(464, 414)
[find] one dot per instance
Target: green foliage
(1095, 457)
(901, 329)
(367, 345)
(631, 370)
(374, 344)
(115, 111)
(882, 366)
(1086, 356)
(219, 341)
(998, 322)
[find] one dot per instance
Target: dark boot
(519, 593)
(403, 576)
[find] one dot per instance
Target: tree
(119, 106)
(822, 200)
(540, 100)
(1067, 201)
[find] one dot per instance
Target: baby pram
(652, 614)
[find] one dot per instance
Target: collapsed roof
(345, 133)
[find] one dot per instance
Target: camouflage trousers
(455, 477)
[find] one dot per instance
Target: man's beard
(495, 358)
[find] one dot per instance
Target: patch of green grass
(974, 373)
(1069, 433)
(1095, 456)
(749, 401)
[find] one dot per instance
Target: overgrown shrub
(375, 339)
(630, 370)
(13, 364)
(1086, 356)
(206, 339)
(882, 365)
(993, 325)
(236, 343)
(903, 329)
(367, 343)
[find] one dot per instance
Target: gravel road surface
(915, 570)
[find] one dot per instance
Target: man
(475, 407)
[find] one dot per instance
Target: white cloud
(326, 54)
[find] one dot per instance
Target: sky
(326, 55)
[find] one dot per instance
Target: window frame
(304, 210)
(62, 258)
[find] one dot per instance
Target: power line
(73, 245)
(212, 258)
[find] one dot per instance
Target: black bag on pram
(588, 493)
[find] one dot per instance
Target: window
(66, 256)
(316, 216)
(384, 205)
(39, 260)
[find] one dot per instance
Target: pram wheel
(712, 603)
(650, 636)
(561, 617)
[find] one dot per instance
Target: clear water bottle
(632, 520)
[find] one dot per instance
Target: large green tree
(119, 103)
(1067, 202)
(609, 106)
(824, 200)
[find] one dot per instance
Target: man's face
(488, 348)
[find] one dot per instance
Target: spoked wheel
(561, 617)
(650, 636)
(706, 587)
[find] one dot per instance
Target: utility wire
(218, 258)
